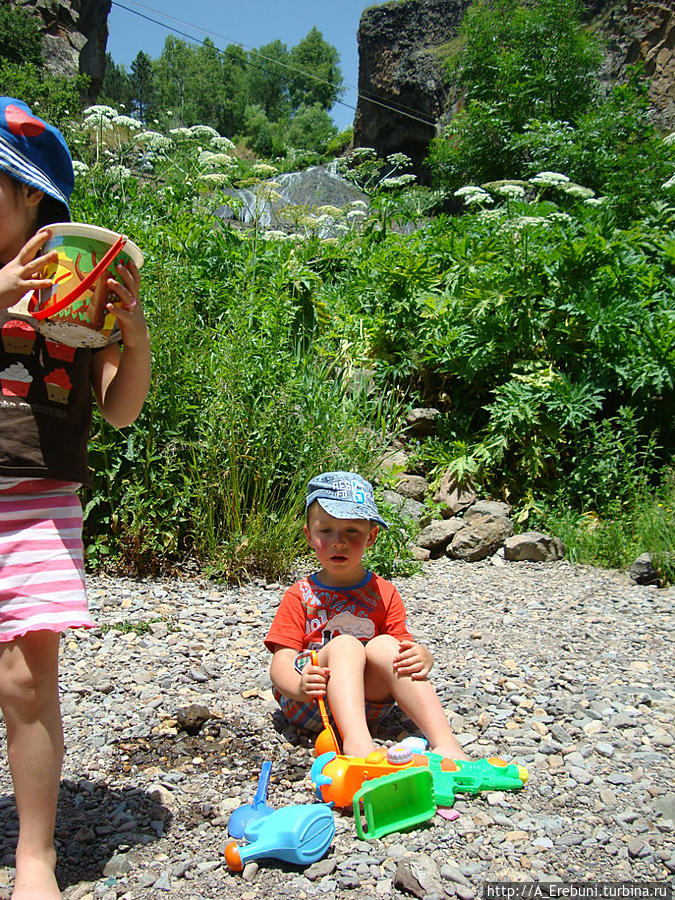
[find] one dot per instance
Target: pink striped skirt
(41, 565)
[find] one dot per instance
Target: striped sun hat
(34, 152)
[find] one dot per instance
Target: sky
(250, 24)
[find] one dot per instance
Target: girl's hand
(412, 661)
(18, 276)
(313, 680)
(128, 311)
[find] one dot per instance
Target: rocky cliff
(75, 36)
(403, 45)
(399, 66)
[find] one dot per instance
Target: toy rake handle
(93, 276)
(261, 792)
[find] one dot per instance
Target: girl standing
(43, 461)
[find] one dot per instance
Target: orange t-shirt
(311, 613)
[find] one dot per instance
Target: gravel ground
(561, 668)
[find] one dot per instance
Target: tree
(268, 79)
(143, 93)
(20, 37)
(310, 128)
(171, 72)
(316, 75)
(115, 88)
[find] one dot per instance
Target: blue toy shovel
(299, 834)
(249, 812)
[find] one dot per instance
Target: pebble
(564, 669)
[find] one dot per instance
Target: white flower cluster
(594, 201)
(80, 168)
(275, 235)
(669, 184)
(206, 159)
(395, 181)
(107, 112)
(333, 212)
(222, 143)
(181, 134)
(358, 204)
(153, 140)
(548, 178)
(509, 189)
(127, 122)
(562, 217)
(264, 170)
(118, 173)
(213, 180)
(472, 194)
(578, 191)
(669, 139)
(203, 132)
(96, 123)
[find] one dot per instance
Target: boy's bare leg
(417, 699)
(345, 656)
(30, 703)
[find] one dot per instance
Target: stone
(192, 718)
(643, 570)
(482, 536)
(533, 546)
(412, 486)
(436, 536)
(419, 876)
(454, 497)
(494, 508)
(422, 421)
(407, 507)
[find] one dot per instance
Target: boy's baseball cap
(344, 495)
(34, 152)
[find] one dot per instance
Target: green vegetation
(540, 318)
(270, 99)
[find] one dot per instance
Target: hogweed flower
(264, 170)
(578, 191)
(204, 132)
(80, 168)
(669, 184)
(222, 143)
(594, 201)
(107, 112)
(509, 189)
(548, 178)
(118, 173)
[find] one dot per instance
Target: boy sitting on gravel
(356, 621)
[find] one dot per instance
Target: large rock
(643, 570)
(534, 547)
(411, 509)
(412, 486)
(481, 537)
(75, 37)
(494, 508)
(400, 70)
(453, 497)
(436, 536)
(422, 421)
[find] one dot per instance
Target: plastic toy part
(338, 778)
(299, 834)
(243, 815)
(399, 754)
(395, 802)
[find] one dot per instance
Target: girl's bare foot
(35, 879)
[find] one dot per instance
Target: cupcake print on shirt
(18, 337)
(15, 380)
(58, 385)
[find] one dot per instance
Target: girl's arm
(121, 378)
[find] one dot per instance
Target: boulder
(422, 421)
(436, 536)
(394, 459)
(493, 508)
(412, 486)
(643, 570)
(534, 547)
(410, 508)
(481, 537)
(455, 498)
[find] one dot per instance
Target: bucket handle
(86, 283)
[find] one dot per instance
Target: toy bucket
(73, 311)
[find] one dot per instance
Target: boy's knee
(344, 644)
(383, 646)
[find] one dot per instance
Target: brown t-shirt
(45, 403)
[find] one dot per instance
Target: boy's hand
(313, 680)
(19, 275)
(412, 661)
(129, 311)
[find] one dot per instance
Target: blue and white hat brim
(18, 167)
(344, 509)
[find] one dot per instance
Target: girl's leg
(345, 656)
(29, 699)
(417, 699)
